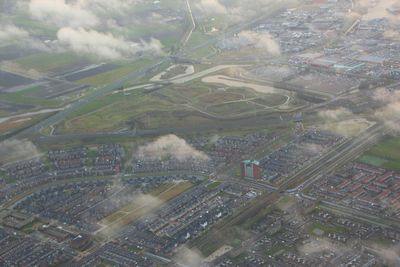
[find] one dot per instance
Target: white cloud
(211, 7)
(261, 40)
(335, 114)
(342, 122)
(90, 41)
(379, 9)
(62, 13)
(390, 112)
(170, 146)
(11, 33)
(118, 6)
(104, 45)
(189, 257)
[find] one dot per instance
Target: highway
(61, 115)
(192, 24)
(334, 159)
(385, 222)
(261, 121)
(344, 153)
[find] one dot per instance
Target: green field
(117, 111)
(218, 98)
(271, 100)
(188, 92)
(234, 109)
(372, 160)
(46, 62)
(285, 202)
(31, 227)
(172, 106)
(23, 97)
(325, 228)
(385, 154)
(214, 185)
(277, 250)
(222, 100)
(113, 75)
(17, 124)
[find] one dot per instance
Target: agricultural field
(193, 102)
(25, 100)
(16, 124)
(386, 154)
(9, 80)
(7, 107)
(105, 113)
(116, 73)
(232, 98)
(90, 71)
(9, 52)
(53, 63)
(235, 109)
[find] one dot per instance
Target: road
(192, 24)
(344, 153)
(386, 222)
(334, 159)
(61, 115)
(236, 28)
(261, 121)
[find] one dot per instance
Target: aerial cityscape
(200, 133)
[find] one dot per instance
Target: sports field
(385, 154)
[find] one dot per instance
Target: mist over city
(199, 133)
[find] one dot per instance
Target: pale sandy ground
(189, 71)
(218, 253)
(43, 111)
(232, 82)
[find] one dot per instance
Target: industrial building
(250, 169)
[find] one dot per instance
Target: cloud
(389, 254)
(12, 150)
(118, 6)
(11, 33)
(189, 257)
(390, 112)
(385, 95)
(138, 198)
(391, 34)
(335, 114)
(104, 45)
(78, 13)
(378, 9)
(317, 246)
(312, 148)
(211, 7)
(261, 40)
(62, 13)
(170, 146)
(342, 122)
(239, 10)
(140, 204)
